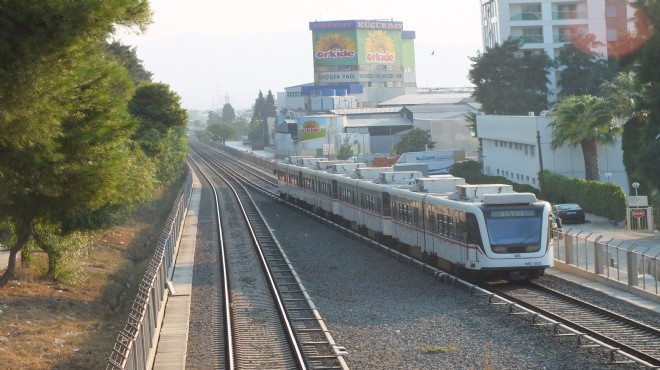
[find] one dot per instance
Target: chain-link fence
(137, 339)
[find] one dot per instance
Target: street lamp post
(608, 175)
(635, 185)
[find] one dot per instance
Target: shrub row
(602, 199)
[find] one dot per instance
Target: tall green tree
(584, 120)
(213, 118)
(509, 81)
(415, 140)
(228, 114)
(345, 150)
(63, 122)
(127, 57)
(645, 63)
(582, 69)
(161, 129)
(220, 132)
(624, 97)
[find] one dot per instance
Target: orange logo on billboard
(334, 46)
(310, 126)
(379, 48)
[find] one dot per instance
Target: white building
(549, 24)
(510, 147)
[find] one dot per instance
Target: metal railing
(624, 264)
(138, 339)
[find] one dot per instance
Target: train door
(469, 230)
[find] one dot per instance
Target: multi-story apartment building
(549, 24)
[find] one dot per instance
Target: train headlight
(532, 248)
(499, 249)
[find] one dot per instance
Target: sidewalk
(617, 235)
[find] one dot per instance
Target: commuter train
(478, 232)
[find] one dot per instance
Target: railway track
(270, 320)
(623, 335)
(625, 342)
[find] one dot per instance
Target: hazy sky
(211, 51)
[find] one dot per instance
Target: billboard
(357, 51)
(312, 128)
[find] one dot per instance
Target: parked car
(569, 212)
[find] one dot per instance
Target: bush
(602, 199)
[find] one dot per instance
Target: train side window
(387, 210)
(473, 235)
(432, 223)
(415, 216)
(449, 224)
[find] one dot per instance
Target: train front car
(516, 235)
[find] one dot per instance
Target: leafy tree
(256, 131)
(63, 123)
(221, 132)
(228, 114)
(582, 70)
(507, 82)
(214, 118)
(415, 140)
(645, 65)
(162, 127)
(345, 150)
(269, 109)
(584, 120)
(259, 112)
(127, 56)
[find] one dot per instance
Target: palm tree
(584, 120)
(624, 96)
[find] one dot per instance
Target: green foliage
(127, 57)
(65, 253)
(170, 161)
(162, 130)
(508, 81)
(158, 108)
(602, 199)
(256, 131)
(645, 65)
(264, 107)
(64, 128)
(345, 150)
(228, 114)
(415, 140)
(584, 120)
(214, 118)
(471, 172)
(583, 71)
(220, 132)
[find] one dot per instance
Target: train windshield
(514, 230)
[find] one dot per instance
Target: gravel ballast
(388, 314)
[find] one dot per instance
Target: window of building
(566, 11)
(532, 35)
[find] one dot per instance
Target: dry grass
(45, 325)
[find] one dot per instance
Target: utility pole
(541, 176)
